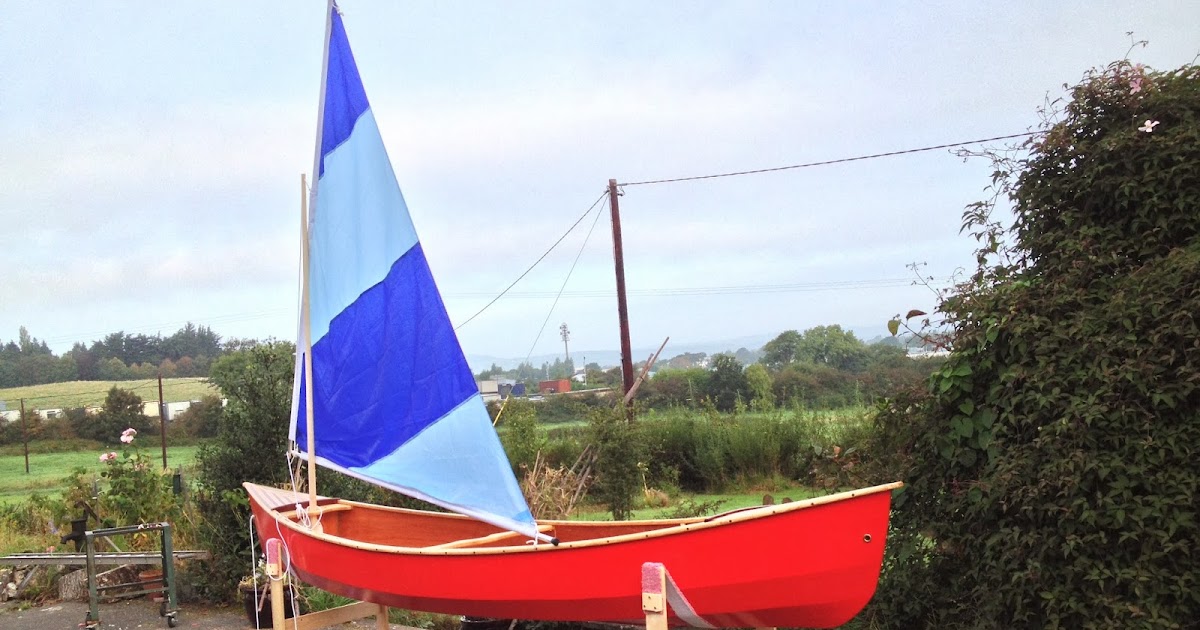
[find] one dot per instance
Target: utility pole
(566, 336)
(162, 420)
(622, 306)
(25, 435)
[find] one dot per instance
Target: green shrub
(1052, 468)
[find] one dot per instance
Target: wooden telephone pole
(622, 306)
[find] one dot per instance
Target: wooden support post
(381, 620)
(654, 597)
(276, 582)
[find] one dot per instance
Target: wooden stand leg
(654, 598)
(278, 592)
(381, 618)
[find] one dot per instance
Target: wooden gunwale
(667, 527)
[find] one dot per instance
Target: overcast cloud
(151, 153)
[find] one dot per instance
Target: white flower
(1149, 126)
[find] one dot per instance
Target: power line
(562, 288)
(827, 162)
(799, 287)
(535, 263)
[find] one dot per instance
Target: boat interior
(397, 527)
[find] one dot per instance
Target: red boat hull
(813, 563)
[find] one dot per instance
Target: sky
(151, 155)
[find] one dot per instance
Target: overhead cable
(827, 162)
(539, 260)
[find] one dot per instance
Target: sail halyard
(392, 399)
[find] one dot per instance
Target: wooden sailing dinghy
(810, 563)
(385, 395)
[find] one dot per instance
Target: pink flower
(1135, 85)
(129, 431)
(108, 457)
(1148, 126)
(126, 438)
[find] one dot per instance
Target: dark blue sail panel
(345, 98)
(396, 332)
(394, 401)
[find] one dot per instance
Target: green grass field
(91, 393)
(728, 501)
(48, 470)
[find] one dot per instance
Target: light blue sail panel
(393, 398)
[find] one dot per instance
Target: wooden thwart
(485, 540)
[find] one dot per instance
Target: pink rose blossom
(127, 438)
(107, 457)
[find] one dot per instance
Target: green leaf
(894, 327)
(967, 407)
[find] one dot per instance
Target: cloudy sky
(151, 154)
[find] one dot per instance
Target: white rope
(253, 569)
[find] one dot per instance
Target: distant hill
(610, 358)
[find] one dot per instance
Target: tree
(1051, 467)
(758, 386)
(782, 350)
(113, 369)
(727, 384)
(122, 410)
(832, 346)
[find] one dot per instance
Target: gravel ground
(131, 614)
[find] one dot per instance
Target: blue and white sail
(394, 401)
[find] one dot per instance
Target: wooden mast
(306, 325)
(622, 306)
(309, 198)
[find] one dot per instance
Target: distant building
(489, 389)
(556, 386)
(925, 353)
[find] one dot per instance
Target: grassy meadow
(47, 471)
(91, 393)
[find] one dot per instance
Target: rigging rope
(827, 162)
(535, 263)
(557, 297)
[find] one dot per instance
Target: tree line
(190, 351)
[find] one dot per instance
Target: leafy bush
(1052, 467)
(521, 439)
(137, 490)
(619, 451)
(249, 446)
(202, 419)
